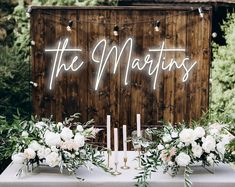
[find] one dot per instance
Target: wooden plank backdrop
(173, 100)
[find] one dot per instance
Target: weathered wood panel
(173, 100)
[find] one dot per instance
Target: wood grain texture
(173, 100)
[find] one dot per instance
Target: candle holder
(108, 159)
(139, 167)
(116, 172)
(125, 164)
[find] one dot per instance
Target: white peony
(199, 132)
(197, 151)
(25, 134)
(34, 145)
(29, 153)
(174, 134)
(40, 125)
(79, 141)
(208, 144)
(52, 139)
(187, 136)
(80, 128)
(18, 158)
(66, 133)
(166, 138)
(53, 159)
(160, 147)
(183, 159)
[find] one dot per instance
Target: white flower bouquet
(183, 147)
(66, 145)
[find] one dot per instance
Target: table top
(50, 177)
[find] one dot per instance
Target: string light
(34, 84)
(156, 23)
(115, 30)
(214, 35)
(157, 26)
(69, 26)
(201, 12)
(32, 42)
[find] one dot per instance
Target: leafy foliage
(174, 147)
(10, 134)
(223, 68)
(15, 67)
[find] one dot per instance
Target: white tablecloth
(49, 177)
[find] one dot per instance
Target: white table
(49, 177)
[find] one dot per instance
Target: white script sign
(101, 55)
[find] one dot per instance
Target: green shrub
(223, 71)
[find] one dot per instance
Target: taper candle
(138, 126)
(108, 132)
(115, 145)
(124, 141)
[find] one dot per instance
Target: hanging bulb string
(66, 21)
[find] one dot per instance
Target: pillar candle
(124, 141)
(108, 132)
(138, 126)
(115, 145)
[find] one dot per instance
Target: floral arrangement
(64, 144)
(184, 147)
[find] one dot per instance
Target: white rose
(40, 125)
(53, 159)
(18, 158)
(197, 151)
(47, 151)
(199, 132)
(210, 159)
(66, 133)
(180, 145)
(80, 128)
(208, 144)
(34, 145)
(182, 159)
(29, 153)
(166, 138)
(187, 136)
(79, 141)
(68, 144)
(51, 138)
(54, 149)
(25, 134)
(160, 147)
(174, 134)
(221, 148)
(41, 152)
